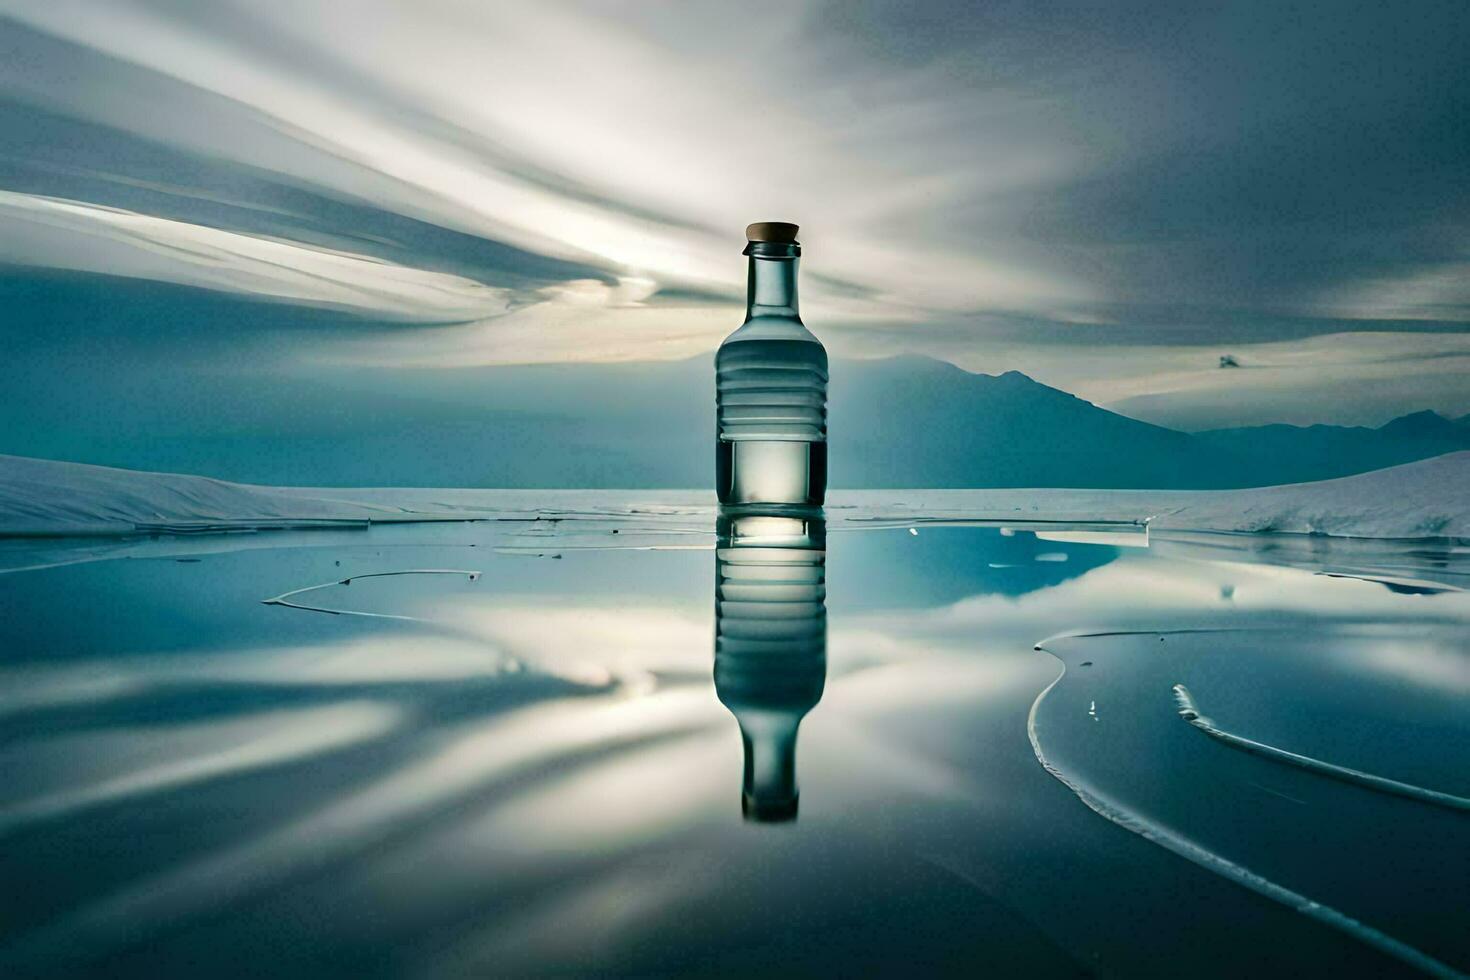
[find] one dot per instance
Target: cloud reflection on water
(489, 816)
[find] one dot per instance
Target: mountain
(917, 422)
(1300, 454)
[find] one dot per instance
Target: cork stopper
(782, 232)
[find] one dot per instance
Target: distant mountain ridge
(959, 429)
(1299, 454)
(903, 422)
(916, 422)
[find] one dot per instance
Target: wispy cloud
(74, 235)
(571, 134)
(1433, 292)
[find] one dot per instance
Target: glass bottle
(771, 387)
(770, 645)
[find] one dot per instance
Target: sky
(1109, 197)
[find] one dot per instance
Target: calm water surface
(1056, 753)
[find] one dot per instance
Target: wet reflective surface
(549, 747)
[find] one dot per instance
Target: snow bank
(39, 496)
(1429, 498)
(1425, 499)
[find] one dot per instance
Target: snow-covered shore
(1429, 498)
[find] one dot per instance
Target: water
(771, 394)
(530, 769)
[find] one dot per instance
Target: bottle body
(771, 394)
(771, 398)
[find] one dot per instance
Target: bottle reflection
(770, 644)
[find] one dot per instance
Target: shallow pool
(1051, 750)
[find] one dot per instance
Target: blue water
(512, 760)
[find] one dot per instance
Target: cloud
(74, 235)
(565, 133)
(1437, 292)
(581, 320)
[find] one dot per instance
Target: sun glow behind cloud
(682, 158)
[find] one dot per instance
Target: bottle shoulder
(772, 328)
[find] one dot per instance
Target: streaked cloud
(1100, 198)
(1435, 292)
(74, 235)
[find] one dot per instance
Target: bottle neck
(772, 287)
(769, 791)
